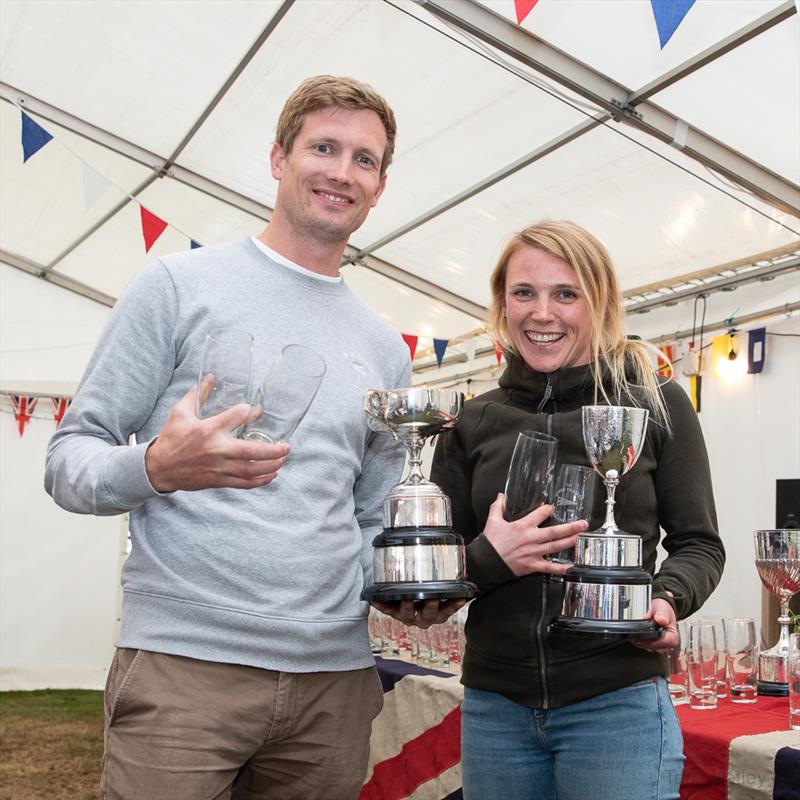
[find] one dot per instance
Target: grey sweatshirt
(267, 577)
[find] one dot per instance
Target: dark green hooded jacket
(509, 647)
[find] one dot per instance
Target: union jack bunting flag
(60, 406)
(23, 410)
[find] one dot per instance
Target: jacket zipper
(540, 622)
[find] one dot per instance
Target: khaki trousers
(182, 729)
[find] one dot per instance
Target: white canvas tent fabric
(198, 87)
(171, 105)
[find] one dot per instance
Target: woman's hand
(523, 545)
(662, 613)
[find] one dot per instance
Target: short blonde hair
(609, 347)
(329, 91)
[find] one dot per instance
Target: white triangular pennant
(469, 346)
(94, 186)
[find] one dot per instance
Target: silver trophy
(778, 565)
(606, 592)
(418, 556)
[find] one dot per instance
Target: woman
(554, 715)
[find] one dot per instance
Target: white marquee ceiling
(174, 102)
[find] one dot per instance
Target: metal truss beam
(57, 279)
(622, 103)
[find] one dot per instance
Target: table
(736, 752)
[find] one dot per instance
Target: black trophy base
(430, 590)
(772, 689)
(608, 629)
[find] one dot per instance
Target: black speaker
(787, 503)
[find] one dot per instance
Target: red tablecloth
(735, 752)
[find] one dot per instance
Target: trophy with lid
(418, 556)
(606, 592)
(778, 565)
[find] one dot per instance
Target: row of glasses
(439, 646)
(711, 652)
(280, 401)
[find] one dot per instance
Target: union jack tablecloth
(736, 752)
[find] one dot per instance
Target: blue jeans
(622, 745)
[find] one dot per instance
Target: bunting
(23, 410)
(523, 8)
(469, 346)
(94, 186)
(665, 361)
(439, 347)
(695, 385)
(152, 228)
(34, 137)
(756, 350)
(498, 351)
(411, 341)
(193, 245)
(668, 15)
(60, 406)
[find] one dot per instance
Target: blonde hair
(329, 91)
(610, 348)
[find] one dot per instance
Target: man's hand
(662, 613)
(523, 545)
(192, 453)
(421, 613)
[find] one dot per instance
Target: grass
(50, 745)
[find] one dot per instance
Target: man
(243, 656)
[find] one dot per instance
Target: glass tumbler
(701, 659)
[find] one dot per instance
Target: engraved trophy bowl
(418, 555)
(606, 592)
(778, 565)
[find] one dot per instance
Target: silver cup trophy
(606, 592)
(418, 556)
(778, 565)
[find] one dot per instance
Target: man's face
(331, 177)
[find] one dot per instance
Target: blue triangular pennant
(439, 346)
(669, 14)
(34, 137)
(194, 244)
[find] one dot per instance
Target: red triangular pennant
(411, 341)
(152, 228)
(60, 406)
(523, 8)
(498, 351)
(23, 410)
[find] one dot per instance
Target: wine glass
(530, 474)
(225, 368)
(288, 390)
(572, 499)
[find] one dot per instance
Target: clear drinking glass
(573, 497)
(722, 647)
(225, 368)
(742, 655)
(530, 474)
(289, 388)
(793, 674)
(678, 669)
(701, 659)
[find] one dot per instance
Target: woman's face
(547, 315)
